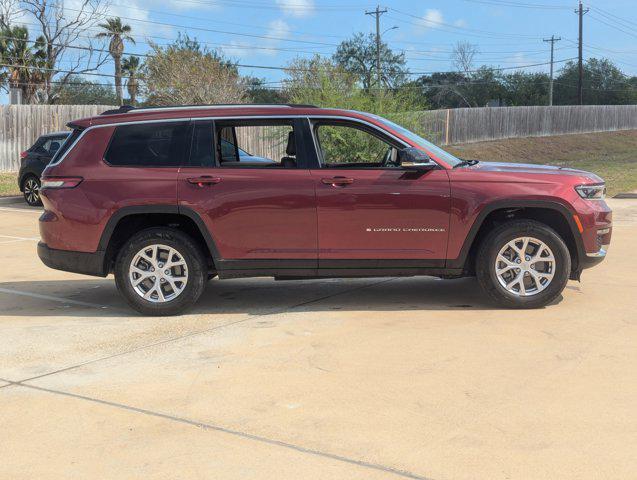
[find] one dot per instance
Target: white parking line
(50, 297)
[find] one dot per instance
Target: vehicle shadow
(94, 297)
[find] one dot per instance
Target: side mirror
(415, 159)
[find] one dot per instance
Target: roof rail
(122, 109)
(128, 108)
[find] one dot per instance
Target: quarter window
(148, 145)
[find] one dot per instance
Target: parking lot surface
(324, 379)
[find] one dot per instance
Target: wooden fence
(478, 124)
(20, 125)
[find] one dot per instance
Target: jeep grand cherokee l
(156, 197)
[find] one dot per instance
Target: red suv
(167, 198)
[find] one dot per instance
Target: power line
(508, 3)
(467, 31)
(613, 26)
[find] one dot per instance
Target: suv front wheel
(160, 271)
(523, 264)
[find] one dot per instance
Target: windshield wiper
(466, 163)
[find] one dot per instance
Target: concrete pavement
(366, 378)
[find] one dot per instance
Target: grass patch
(611, 155)
(9, 184)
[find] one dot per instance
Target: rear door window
(149, 145)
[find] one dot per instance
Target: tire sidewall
(492, 247)
(189, 251)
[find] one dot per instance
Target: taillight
(60, 182)
(24, 154)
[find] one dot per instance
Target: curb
(11, 200)
(626, 195)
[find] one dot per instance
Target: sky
(270, 33)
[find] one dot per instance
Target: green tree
(604, 84)
(117, 33)
(131, 66)
(442, 90)
(259, 92)
(321, 81)
(185, 72)
(79, 91)
(521, 88)
(25, 62)
(357, 56)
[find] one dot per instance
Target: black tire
(31, 190)
(189, 251)
(497, 239)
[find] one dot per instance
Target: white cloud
(296, 8)
(434, 18)
(279, 30)
(431, 18)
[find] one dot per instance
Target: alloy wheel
(525, 266)
(32, 190)
(158, 273)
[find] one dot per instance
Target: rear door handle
(204, 180)
(337, 181)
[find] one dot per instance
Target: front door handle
(204, 180)
(337, 181)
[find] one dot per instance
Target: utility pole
(552, 40)
(377, 13)
(580, 83)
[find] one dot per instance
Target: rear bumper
(76, 262)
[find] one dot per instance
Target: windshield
(421, 142)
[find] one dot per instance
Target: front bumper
(594, 258)
(75, 262)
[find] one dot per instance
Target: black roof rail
(122, 109)
(128, 108)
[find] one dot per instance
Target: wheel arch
(26, 174)
(126, 221)
(552, 213)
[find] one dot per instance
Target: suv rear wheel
(523, 264)
(160, 271)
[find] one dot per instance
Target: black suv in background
(34, 160)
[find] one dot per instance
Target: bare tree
(463, 55)
(65, 31)
(9, 11)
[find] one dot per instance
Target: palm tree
(117, 33)
(25, 60)
(131, 67)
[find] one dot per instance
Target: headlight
(592, 192)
